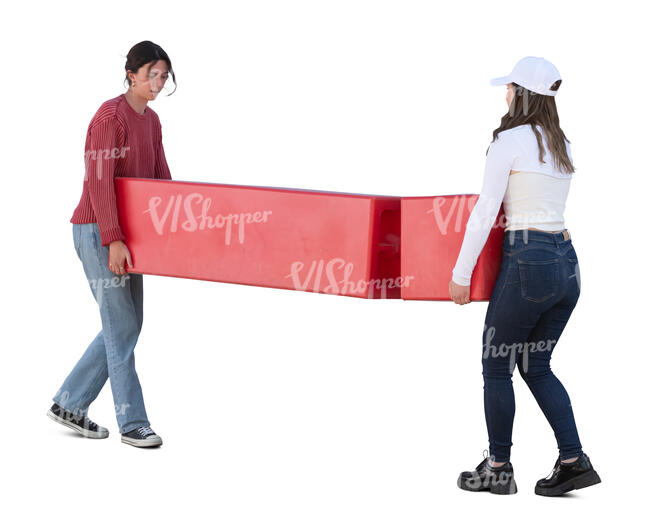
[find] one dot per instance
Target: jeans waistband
(539, 236)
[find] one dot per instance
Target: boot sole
(582, 481)
(85, 432)
(497, 489)
(142, 443)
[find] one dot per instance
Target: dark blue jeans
(537, 288)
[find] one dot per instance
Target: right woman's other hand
(118, 253)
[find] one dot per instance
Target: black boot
(499, 480)
(566, 477)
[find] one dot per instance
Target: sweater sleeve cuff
(112, 234)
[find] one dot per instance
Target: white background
(284, 407)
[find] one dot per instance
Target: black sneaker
(499, 480)
(142, 437)
(80, 423)
(567, 477)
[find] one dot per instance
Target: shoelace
(144, 431)
(486, 455)
(91, 425)
(83, 421)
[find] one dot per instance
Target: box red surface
(432, 231)
(308, 240)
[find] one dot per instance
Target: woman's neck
(139, 104)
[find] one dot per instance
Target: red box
(432, 233)
(327, 242)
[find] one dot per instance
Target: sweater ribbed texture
(119, 143)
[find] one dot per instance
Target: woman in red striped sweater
(124, 139)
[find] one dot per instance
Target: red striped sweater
(120, 142)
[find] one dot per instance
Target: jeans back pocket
(540, 280)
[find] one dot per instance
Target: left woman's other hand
(459, 293)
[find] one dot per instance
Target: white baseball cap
(533, 73)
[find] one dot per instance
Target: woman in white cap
(528, 169)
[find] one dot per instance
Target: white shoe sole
(85, 432)
(149, 442)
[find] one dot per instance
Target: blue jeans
(536, 291)
(111, 353)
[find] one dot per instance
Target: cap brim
(500, 81)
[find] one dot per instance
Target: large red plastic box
(308, 240)
(432, 231)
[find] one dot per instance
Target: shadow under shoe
(500, 481)
(567, 477)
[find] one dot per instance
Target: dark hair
(146, 53)
(528, 107)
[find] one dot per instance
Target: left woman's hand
(459, 293)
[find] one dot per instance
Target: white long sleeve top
(534, 197)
